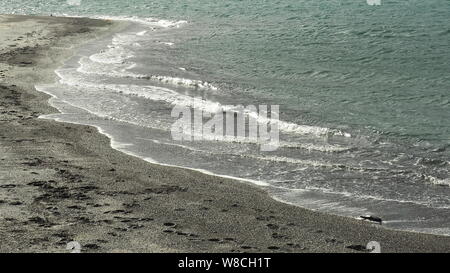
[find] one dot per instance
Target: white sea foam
(142, 33)
(167, 43)
(313, 163)
(149, 92)
(167, 95)
(252, 181)
(151, 22)
(323, 147)
(112, 55)
(117, 54)
(293, 128)
(439, 182)
(360, 196)
(184, 82)
(96, 65)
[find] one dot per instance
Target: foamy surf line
(114, 61)
(147, 21)
(121, 147)
(117, 57)
(156, 93)
(95, 65)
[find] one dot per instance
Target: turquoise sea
(364, 94)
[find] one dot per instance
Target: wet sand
(62, 182)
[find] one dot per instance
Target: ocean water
(363, 92)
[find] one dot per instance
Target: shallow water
(363, 94)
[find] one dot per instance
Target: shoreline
(64, 182)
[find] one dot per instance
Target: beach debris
(357, 247)
(371, 218)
